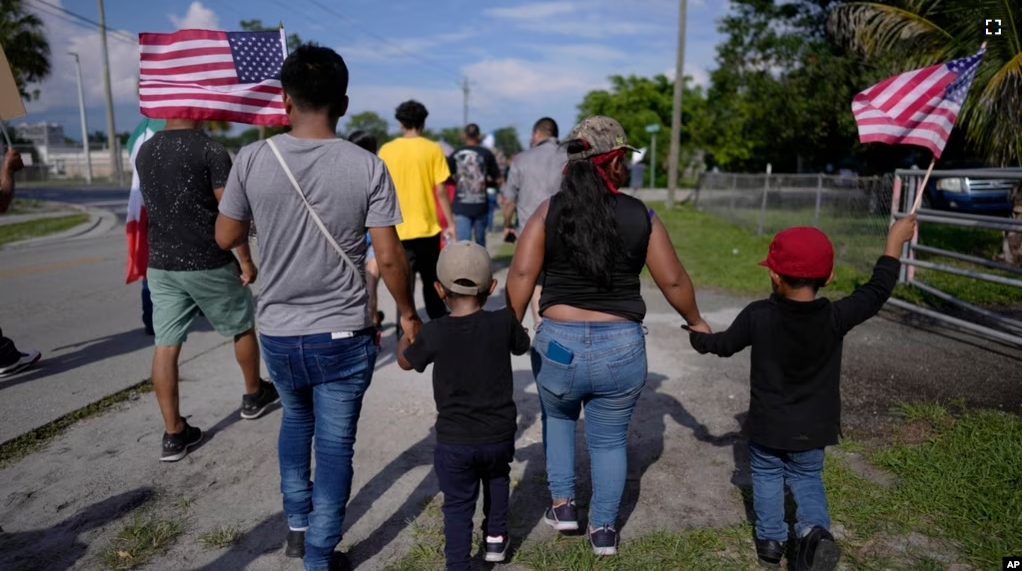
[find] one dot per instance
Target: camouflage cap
(603, 135)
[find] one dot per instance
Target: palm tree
(24, 42)
(918, 33)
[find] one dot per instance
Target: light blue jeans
(606, 375)
(471, 228)
(803, 472)
(321, 382)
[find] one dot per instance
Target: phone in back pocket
(559, 353)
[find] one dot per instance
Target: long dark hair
(586, 220)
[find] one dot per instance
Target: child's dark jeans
(802, 472)
(460, 469)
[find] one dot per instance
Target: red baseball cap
(801, 253)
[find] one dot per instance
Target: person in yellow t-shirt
(419, 169)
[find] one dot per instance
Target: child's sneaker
(769, 552)
(175, 446)
(496, 548)
(563, 517)
(603, 540)
(817, 551)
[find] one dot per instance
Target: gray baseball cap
(466, 261)
(603, 135)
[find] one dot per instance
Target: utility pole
(679, 84)
(85, 125)
(466, 90)
(111, 130)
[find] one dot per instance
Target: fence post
(819, 196)
(763, 204)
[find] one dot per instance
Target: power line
(82, 19)
(358, 26)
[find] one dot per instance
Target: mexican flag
(137, 227)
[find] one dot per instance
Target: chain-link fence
(853, 211)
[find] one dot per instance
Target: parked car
(971, 194)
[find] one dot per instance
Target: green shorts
(178, 297)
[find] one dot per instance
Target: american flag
(211, 75)
(917, 107)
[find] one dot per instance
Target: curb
(100, 221)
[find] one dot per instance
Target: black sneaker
(496, 548)
(769, 552)
(295, 544)
(253, 406)
(175, 446)
(817, 551)
(563, 517)
(604, 541)
(26, 360)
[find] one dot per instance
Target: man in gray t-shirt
(317, 336)
(534, 177)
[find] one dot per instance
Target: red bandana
(599, 161)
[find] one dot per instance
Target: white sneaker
(27, 359)
(496, 548)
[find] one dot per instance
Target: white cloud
(60, 90)
(700, 77)
(401, 48)
(588, 20)
(198, 16)
(528, 12)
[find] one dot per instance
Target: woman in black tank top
(591, 244)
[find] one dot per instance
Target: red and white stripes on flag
(209, 75)
(917, 107)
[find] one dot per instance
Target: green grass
(21, 446)
(427, 553)
(146, 537)
(221, 537)
(39, 228)
(696, 550)
(966, 480)
(721, 254)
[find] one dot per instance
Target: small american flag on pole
(917, 107)
(209, 75)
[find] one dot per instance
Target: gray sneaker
(603, 540)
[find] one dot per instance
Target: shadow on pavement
(89, 352)
(649, 422)
(60, 547)
(266, 537)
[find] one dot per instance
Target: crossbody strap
(315, 217)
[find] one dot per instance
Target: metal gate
(984, 322)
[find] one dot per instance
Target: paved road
(69, 300)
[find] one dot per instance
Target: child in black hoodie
(795, 404)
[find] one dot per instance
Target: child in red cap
(795, 404)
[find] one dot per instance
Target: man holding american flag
(188, 77)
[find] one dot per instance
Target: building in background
(50, 135)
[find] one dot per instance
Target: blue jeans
(607, 375)
(466, 226)
(321, 382)
(491, 200)
(802, 471)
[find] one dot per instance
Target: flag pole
(922, 187)
(7, 137)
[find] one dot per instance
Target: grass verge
(146, 537)
(718, 253)
(221, 537)
(427, 553)
(39, 228)
(21, 446)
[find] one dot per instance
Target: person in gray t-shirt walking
(534, 177)
(318, 339)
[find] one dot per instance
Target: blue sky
(524, 59)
